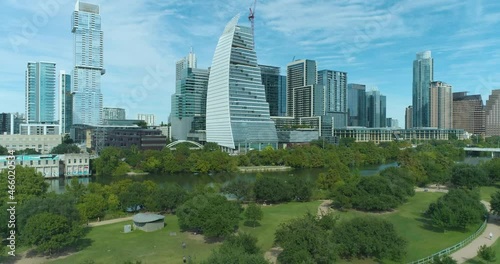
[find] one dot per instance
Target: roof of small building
(147, 217)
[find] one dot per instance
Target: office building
(409, 117)
(41, 143)
(492, 114)
(40, 92)
(375, 109)
(378, 135)
(468, 113)
(270, 76)
(237, 111)
(40, 129)
(282, 95)
(113, 113)
(356, 104)
(188, 113)
(301, 78)
(65, 103)
(423, 75)
(89, 67)
(148, 118)
(441, 105)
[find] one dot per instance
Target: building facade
(441, 105)
(301, 77)
(41, 143)
(39, 129)
(237, 111)
(188, 113)
(409, 117)
(88, 48)
(148, 118)
(40, 101)
(423, 75)
(270, 76)
(492, 114)
(53, 166)
(375, 109)
(10, 123)
(282, 95)
(65, 103)
(377, 135)
(113, 113)
(356, 104)
(468, 113)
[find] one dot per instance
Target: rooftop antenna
(251, 16)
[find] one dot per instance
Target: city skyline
(465, 54)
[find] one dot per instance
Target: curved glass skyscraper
(237, 111)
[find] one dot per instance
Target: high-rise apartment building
(148, 118)
(237, 111)
(113, 113)
(270, 76)
(40, 92)
(88, 47)
(282, 95)
(492, 114)
(301, 79)
(441, 105)
(188, 113)
(409, 117)
(65, 103)
(330, 98)
(423, 75)
(375, 109)
(356, 104)
(468, 113)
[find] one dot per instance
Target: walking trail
(272, 254)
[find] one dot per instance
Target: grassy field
(487, 191)
(423, 240)
(110, 245)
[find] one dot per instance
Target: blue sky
(374, 41)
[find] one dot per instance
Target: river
(189, 180)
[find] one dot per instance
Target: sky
(375, 42)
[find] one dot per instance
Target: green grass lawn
(477, 260)
(110, 245)
(487, 191)
(422, 239)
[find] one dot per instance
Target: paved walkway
(111, 221)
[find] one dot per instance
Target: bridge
(197, 145)
(495, 152)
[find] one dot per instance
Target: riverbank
(264, 168)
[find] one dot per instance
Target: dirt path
(111, 221)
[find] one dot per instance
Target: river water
(189, 180)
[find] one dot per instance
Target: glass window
(46, 162)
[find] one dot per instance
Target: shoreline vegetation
(263, 168)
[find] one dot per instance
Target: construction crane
(251, 15)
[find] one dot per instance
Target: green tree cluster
(253, 214)
(495, 203)
(278, 190)
(211, 214)
(468, 176)
(458, 209)
(487, 253)
(236, 249)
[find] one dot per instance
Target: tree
(444, 260)
(67, 139)
(134, 196)
(467, 175)
(492, 168)
(65, 148)
(272, 190)
(28, 182)
(487, 253)
(27, 151)
(76, 188)
(142, 124)
(241, 248)
(301, 188)
(50, 232)
(253, 213)
(92, 206)
(369, 237)
(109, 159)
(3, 150)
(242, 189)
(495, 203)
(211, 214)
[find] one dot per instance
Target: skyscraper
(282, 95)
(65, 103)
(88, 47)
(423, 75)
(113, 113)
(188, 113)
(375, 109)
(441, 105)
(40, 92)
(468, 113)
(237, 111)
(301, 77)
(492, 113)
(409, 117)
(356, 104)
(148, 118)
(270, 76)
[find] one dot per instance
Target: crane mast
(251, 15)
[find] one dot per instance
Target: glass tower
(271, 79)
(423, 74)
(88, 48)
(237, 111)
(40, 92)
(356, 104)
(66, 103)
